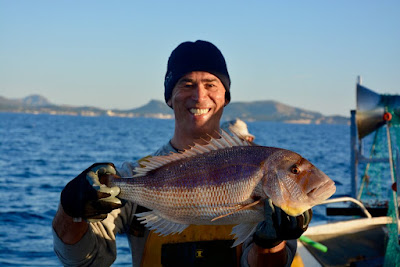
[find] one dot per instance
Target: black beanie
(196, 56)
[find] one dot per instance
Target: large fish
(224, 182)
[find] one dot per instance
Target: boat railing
(349, 199)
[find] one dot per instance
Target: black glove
(85, 197)
(279, 226)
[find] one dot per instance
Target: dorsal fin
(155, 162)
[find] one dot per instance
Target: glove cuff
(265, 243)
(70, 200)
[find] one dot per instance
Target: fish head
(293, 183)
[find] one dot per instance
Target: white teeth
(198, 111)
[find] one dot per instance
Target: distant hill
(35, 101)
(266, 110)
(269, 110)
(153, 107)
(29, 101)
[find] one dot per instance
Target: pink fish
(224, 182)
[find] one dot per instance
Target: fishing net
(375, 186)
(392, 256)
(379, 176)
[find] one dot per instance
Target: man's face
(198, 99)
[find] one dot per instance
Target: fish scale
(186, 178)
(225, 181)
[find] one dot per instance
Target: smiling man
(198, 100)
(197, 88)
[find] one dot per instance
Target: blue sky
(113, 54)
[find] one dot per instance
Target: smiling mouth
(199, 111)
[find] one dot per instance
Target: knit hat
(196, 56)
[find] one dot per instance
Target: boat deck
(349, 246)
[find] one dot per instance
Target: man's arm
(274, 242)
(69, 231)
(97, 245)
(259, 256)
(84, 200)
(80, 200)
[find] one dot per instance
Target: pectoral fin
(159, 224)
(240, 208)
(242, 232)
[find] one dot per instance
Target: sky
(113, 54)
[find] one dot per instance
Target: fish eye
(295, 169)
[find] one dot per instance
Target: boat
(363, 227)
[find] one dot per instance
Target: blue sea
(39, 154)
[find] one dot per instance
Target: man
(197, 88)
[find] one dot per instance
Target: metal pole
(354, 153)
(398, 174)
(392, 170)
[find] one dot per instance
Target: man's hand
(85, 197)
(279, 226)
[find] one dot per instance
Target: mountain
(153, 107)
(29, 101)
(35, 101)
(267, 110)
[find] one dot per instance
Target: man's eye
(211, 86)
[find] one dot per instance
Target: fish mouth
(199, 111)
(323, 191)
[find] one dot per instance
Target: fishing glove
(85, 197)
(279, 226)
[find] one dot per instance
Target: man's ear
(169, 103)
(227, 98)
(226, 102)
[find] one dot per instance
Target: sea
(40, 154)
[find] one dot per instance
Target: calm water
(39, 154)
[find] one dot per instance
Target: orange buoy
(394, 187)
(387, 116)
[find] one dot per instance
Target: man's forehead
(199, 75)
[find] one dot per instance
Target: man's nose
(199, 93)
